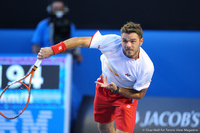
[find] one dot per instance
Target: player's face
(131, 44)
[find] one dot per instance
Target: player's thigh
(125, 116)
(103, 111)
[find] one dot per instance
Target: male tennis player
(126, 75)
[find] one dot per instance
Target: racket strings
(14, 99)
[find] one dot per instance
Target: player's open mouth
(129, 50)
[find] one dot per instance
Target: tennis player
(127, 71)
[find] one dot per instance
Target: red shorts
(109, 107)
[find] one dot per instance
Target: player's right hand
(45, 53)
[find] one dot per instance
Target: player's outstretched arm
(62, 46)
(77, 42)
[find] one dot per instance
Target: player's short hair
(131, 27)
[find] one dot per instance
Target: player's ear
(141, 41)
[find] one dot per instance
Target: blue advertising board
(49, 106)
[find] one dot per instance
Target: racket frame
(34, 68)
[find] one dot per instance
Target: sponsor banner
(35, 121)
(48, 110)
(154, 114)
(168, 115)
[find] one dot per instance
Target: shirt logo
(98, 46)
(127, 74)
(128, 106)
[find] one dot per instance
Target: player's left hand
(105, 84)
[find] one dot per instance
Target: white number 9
(14, 72)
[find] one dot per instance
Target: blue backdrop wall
(175, 55)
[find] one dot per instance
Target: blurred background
(171, 39)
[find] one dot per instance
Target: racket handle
(38, 62)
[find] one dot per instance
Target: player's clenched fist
(45, 52)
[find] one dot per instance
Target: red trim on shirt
(146, 82)
(92, 38)
(138, 54)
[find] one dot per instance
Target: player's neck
(136, 56)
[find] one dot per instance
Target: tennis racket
(15, 97)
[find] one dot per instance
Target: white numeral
(37, 79)
(16, 72)
(13, 73)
